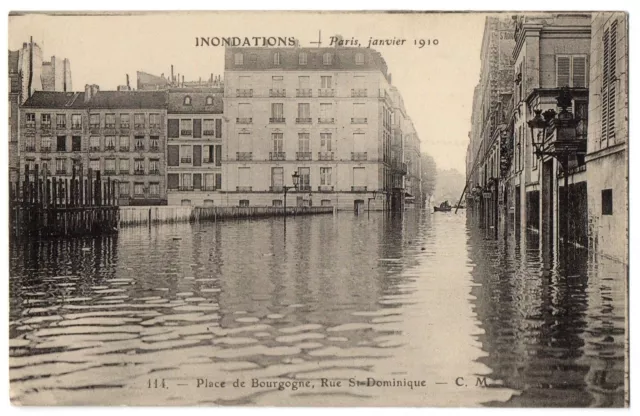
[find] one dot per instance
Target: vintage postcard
(318, 209)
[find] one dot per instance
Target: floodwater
(334, 310)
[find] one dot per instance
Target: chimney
(172, 79)
(128, 86)
(87, 93)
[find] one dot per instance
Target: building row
(330, 115)
(548, 140)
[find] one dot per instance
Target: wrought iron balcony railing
(325, 155)
(303, 155)
(276, 188)
(358, 120)
(303, 120)
(325, 188)
(303, 92)
(326, 92)
(277, 155)
(244, 92)
(276, 120)
(244, 155)
(186, 132)
(277, 92)
(244, 188)
(185, 160)
(244, 120)
(359, 188)
(358, 92)
(326, 120)
(358, 156)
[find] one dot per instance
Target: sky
(436, 81)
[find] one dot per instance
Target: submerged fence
(43, 206)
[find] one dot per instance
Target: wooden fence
(45, 206)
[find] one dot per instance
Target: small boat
(444, 207)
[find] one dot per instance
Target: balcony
(325, 155)
(138, 172)
(303, 155)
(303, 120)
(244, 92)
(277, 156)
(358, 92)
(243, 188)
(277, 92)
(186, 160)
(109, 148)
(244, 120)
(325, 188)
(358, 120)
(358, 156)
(303, 92)
(124, 148)
(208, 132)
(359, 188)
(185, 188)
(186, 132)
(275, 120)
(326, 92)
(326, 120)
(244, 155)
(276, 188)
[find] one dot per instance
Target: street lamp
(295, 177)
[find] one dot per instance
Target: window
(76, 121)
(154, 120)
(277, 86)
(186, 127)
(303, 82)
(123, 189)
(31, 119)
(185, 202)
(94, 164)
(76, 143)
(45, 120)
(110, 143)
(305, 179)
(303, 142)
(244, 113)
(61, 144)
(326, 113)
(45, 144)
(110, 121)
(244, 203)
(277, 112)
(94, 143)
(238, 59)
(138, 188)
(138, 143)
(61, 121)
(94, 121)
(208, 127)
(607, 202)
(209, 182)
(278, 142)
(304, 113)
(325, 82)
(571, 71)
(277, 178)
(138, 120)
(109, 166)
(326, 58)
(186, 180)
(138, 167)
(359, 58)
(276, 203)
(359, 113)
(325, 142)
(125, 121)
(124, 167)
(154, 143)
(154, 188)
(185, 154)
(154, 166)
(359, 176)
(325, 203)
(302, 58)
(124, 143)
(609, 79)
(358, 142)
(244, 142)
(325, 176)
(208, 154)
(187, 100)
(276, 58)
(30, 144)
(209, 100)
(244, 176)
(61, 166)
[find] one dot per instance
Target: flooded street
(424, 298)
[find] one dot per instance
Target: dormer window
(239, 59)
(302, 58)
(326, 59)
(209, 100)
(187, 100)
(359, 58)
(276, 58)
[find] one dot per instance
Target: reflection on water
(419, 297)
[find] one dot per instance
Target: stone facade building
(325, 113)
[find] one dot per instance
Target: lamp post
(564, 145)
(369, 201)
(295, 177)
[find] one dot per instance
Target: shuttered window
(571, 71)
(218, 128)
(197, 128)
(197, 155)
(609, 78)
(563, 71)
(579, 75)
(173, 155)
(173, 181)
(174, 128)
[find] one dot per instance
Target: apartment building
(120, 133)
(325, 113)
(194, 145)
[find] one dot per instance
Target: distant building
(325, 113)
(56, 75)
(120, 133)
(607, 158)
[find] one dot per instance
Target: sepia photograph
(318, 208)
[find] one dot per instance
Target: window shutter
(605, 85)
(174, 128)
(218, 180)
(218, 155)
(197, 128)
(218, 128)
(611, 95)
(197, 181)
(172, 181)
(197, 155)
(173, 155)
(579, 71)
(563, 69)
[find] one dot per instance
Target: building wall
(31, 69)
(607, 155)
